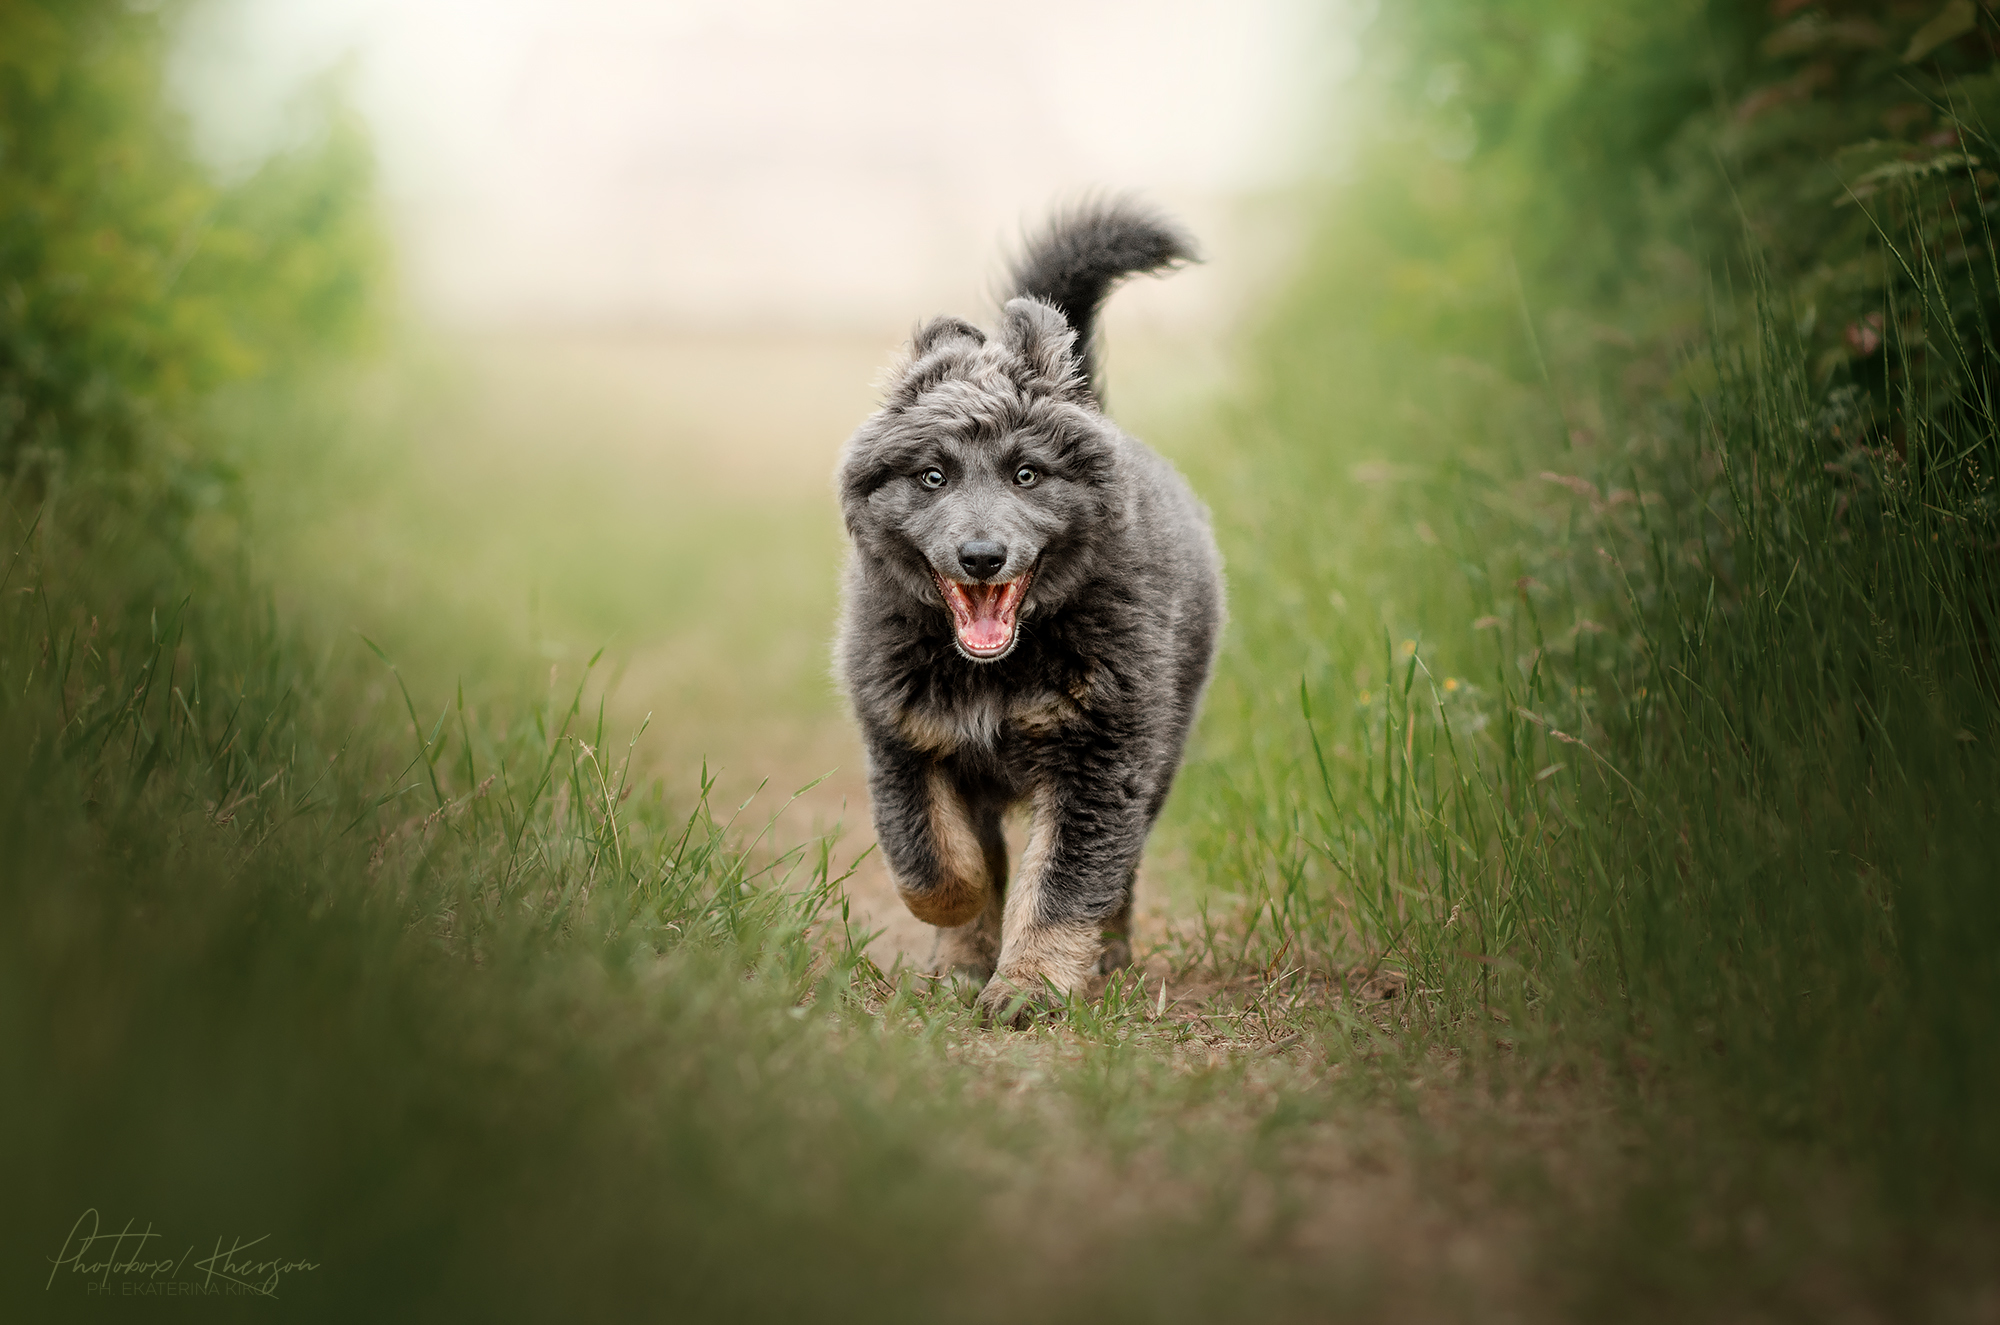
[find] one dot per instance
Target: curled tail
(1084, 251)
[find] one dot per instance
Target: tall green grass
(435, 1011)
(1626, 679)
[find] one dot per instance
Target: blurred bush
(1836, 157)
(131, 280)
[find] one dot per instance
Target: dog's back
(1073, 264)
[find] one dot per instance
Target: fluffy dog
(1031, 611)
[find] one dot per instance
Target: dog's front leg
(937, 852)
(1074, 883)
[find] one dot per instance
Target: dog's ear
(941, 329)
(938, 349)
(1046, 342)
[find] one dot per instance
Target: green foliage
(1645, 616)
(130, 281)
(1840, 156)
(1582, 101)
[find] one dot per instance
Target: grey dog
(1031, 611)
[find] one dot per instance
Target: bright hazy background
(771, 163)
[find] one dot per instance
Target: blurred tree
(1596, 108)
(1835, 157)
(131, 281)
(1859, 160)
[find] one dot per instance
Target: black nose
(982, 558)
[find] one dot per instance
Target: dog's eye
(1026, 476)
(933, 477)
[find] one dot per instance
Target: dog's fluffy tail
(1084, 251)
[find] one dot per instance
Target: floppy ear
(1046, 342)
(941, 329)
(938, 349)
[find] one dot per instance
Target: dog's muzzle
(985, 618)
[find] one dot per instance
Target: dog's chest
(984, 723)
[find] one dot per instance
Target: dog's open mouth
(984, 616)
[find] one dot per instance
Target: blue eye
(933, 477)
(1026, 476)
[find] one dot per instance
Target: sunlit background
(771, 164)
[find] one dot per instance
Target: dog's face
(984, 483)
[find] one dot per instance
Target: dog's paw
(1003, 1003)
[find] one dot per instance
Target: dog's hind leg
(1117, 933)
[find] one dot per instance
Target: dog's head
(985, 484)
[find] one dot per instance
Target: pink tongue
(987, 630)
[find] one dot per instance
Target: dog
(1031, 609)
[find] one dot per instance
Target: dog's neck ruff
(985, 618)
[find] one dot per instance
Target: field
(437, 854)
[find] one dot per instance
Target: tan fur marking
(1063, 955)
(1045, 716)
(941, 734)
(927, 733)
(961, 888)
(1025, 894)
(1092, 682)
(1031, 951)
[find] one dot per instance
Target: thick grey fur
(1086, 715)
